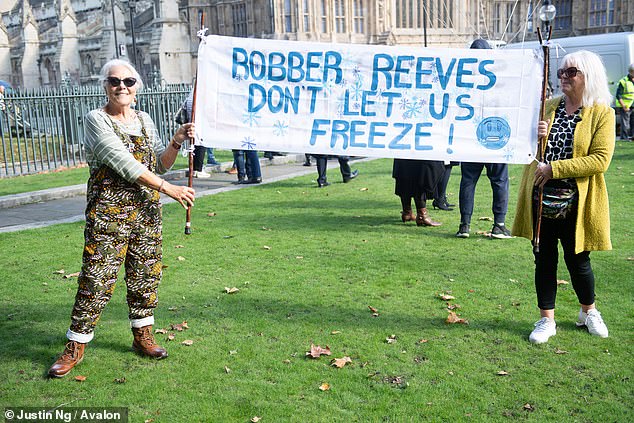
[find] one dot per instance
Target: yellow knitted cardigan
(592, 152)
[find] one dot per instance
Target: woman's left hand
(543, 174)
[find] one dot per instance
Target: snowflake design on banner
(328, 86)
(413, 109)
(356, 91)
(248, 143)
(250, 118)
(356, 73)
(509, 153)
(280, 128)
(240, 77)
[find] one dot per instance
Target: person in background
(440, 193)
(184, 115)
(247, 164)
(123, 215)
(306, 160)
(624, 99)
(344, 166)
(575, 209)
(498, 174)
(416, 179)
(211, 159)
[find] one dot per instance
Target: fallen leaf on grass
(423, 341)
(373, 310)
(266, 247)
(80, 378)
(630, 259)
(390, 339)
(453, 318)
(179, 246)
(528, 407)
(120, 380)
(340, 362)
(486, 218)
(187, 342)
(163, 331)
(212, 214)
(324, 387)
(558, 351)
(335, 332)
(180, 258)
(502, 373)
(562, 282)
(231, 290)
(60, 272)
(149, 421)
(299, 257)
(227, 369)
(363, 189)
(317, 351)
(171, 337)
(446, 297)
(71, 275)
(233, 352)
(452, 306)
(179, 327)
(256, 419)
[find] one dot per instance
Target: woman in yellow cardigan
(581, 134)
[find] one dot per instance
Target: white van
(616, 50)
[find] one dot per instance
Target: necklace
(126, 120)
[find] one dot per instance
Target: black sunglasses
(115, 82)
(568, 73)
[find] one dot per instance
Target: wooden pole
(541, 147)
(190, 180)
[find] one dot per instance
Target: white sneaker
(544, 329)
(201, 174)
(593, 321)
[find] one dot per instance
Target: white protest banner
(368, 100)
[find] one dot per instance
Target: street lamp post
(547, 14)
(132, 5)
(114, 31)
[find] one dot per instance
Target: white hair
(105, 72)
(596, 90)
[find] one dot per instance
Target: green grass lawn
(308, 263)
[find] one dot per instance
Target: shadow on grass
(41, 343)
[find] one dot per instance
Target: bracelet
(175, 145)
(160, 188)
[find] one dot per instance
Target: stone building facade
(45, 43)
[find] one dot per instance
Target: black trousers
(322, 164)
(199, 157)
(552, 231)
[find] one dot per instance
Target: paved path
(67, 204)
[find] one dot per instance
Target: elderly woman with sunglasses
(123, 214)
(580, 133)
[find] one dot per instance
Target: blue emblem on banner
(493, 133)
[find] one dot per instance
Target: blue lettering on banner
(280, 80)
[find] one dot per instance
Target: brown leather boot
(423, 219)
(407, 216)
(145, 344)
(73, 355)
